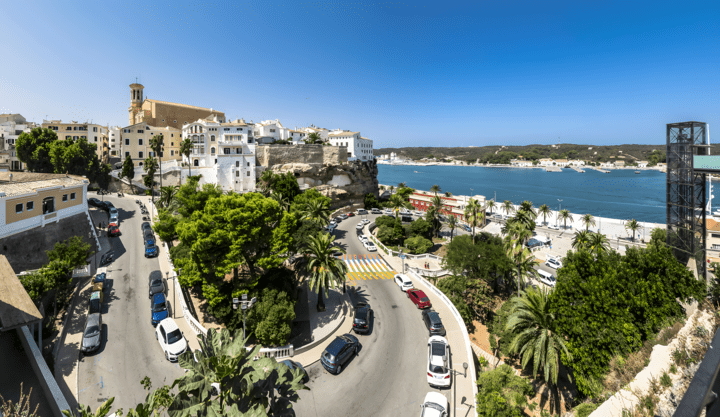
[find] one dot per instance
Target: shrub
(270, 319)
(501, 393)
(418, 244)
(585, 409)
(665, 380)
(497, 327)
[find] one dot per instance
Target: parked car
(113, 212)
(419, 298)
(92, 334)
(359, 226)
(466, 228)
(94, 306)
(343, 217)
(403, 281)
(97, 295)
(362, 238)
(434, 405)
(94, 202)
(432, 321)
(151, 249)
(106, 205)
(148, 235)
(114, 219)
(333, 224)
(370, 246)
(361, 212)
(365, 221)
(546, 278)
(376, 211)
(145, 226)
(406, 219)
(113, 231)
(339, 352)
(156, 285)
(158, 309)
(438, 368)
(553, 263)
(351, 214)
(295, 365)
(361, 322)
(172, 342)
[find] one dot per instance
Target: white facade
(9, 132)
(546, 162)
(642, 164)
(323, 133)
(226, 151)
(115, 141)
(359, 148)
(521, 163)
(577, 162)
(272, 129)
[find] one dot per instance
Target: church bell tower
(136, 99)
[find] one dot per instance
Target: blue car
(158, 309)
(339, 352)
(151, 249)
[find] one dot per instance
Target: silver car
(92, 335)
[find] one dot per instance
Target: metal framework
(686, 193)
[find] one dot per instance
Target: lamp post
(402, 259)
(559, 210)
(95, 255)
(244, 305)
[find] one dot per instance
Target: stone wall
(26, 250)
(271, 155)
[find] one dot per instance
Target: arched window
(212, 151)
(202, 138)
(196, 162)
(48, 205)
(212, 138)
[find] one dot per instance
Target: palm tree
(448, 194)
(588, 220)
(491, 205)
(633, 226)
(382, 187)
(527, 206)
(516, 235)
(471, 215)
(186, 147)
(392, 188)
(452, 224)
(167, 195)
(598, 244)
(434, 212)
(565, 215)
(316, 210)
(536, 338)
(266, 182)
(522, 217)
(326, 270)
(435, 189)
(524, 266)
(581, 240)
(397, 202)
(102, 411)
(401, 185)
(156, 144)
(507, 207)
(282, 200)
(313, 138)
(545, 211)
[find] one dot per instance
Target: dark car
(293, 365)
(158, 309)
(92, 335)
(466, 228)
(406, 219)
(156, 286)
(145, 226)
(419, 298)
(151, 249)
(95, 306)
(339, 352)
(95, 202)
(114, 231)
(107, 206)
(432, 321)
(361, 323)
(148, 235)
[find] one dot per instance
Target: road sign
(402, 256)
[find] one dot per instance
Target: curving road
(129, 351)
(388, 376)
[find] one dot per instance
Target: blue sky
(403, 74)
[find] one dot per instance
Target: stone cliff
(323, 167)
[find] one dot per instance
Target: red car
(419, 298)
(114, 231)
(351, 214)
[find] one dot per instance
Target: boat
(637, 172)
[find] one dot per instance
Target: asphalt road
(388, 377)
(129, 351)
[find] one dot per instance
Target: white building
(521, 163)
(359, 148)
(546, 162)
(576, 162)
(323, 133)
(223, 153)
(561, 162)
(11, 127)
(115, 141)
(607, 165)
(642, 164)
(269, 131)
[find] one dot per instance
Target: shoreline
(420, 164)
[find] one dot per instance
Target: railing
(702, 392)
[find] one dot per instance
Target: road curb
(315, 343)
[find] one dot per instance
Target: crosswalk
(367, 267)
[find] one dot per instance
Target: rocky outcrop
(324, 167)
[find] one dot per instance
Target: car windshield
(436, 369)
(438, 349)
(92, 331)
(159, 307)
(434, 406)
(156, 282)
(94, 306)
(174, 336)
(424, 299)
(359, 320)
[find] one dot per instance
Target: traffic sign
(402, 256)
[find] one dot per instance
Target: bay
(621, 194)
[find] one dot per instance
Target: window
(127, 141)
(237, 164)
(140, 142)
(163, 120)
(227, 129)
(172, 135)
(19, 208)
(75, 137)
(212, 151)
(172, 153)
(175, 121)
(95, 138)
(196, 162)
(172, 143)
(141, 131)
(237, 173)
(716, 235)
(94, 129)
(212, 138)
(68, 137)
(64, 197)
(226, 151)
(216, 160)
(248, 164)
(127, 154)
(48, 205)
(140, 154)
(29, 205)
(248, 173)
(72, 196)
(272, 130)
(68, 128)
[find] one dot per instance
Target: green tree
(192, 197)
(501, 393)
(285, 184)
(74, 253)
(581, 240)
(186, 147)
(405, 192)
(418, 244)
(435, 189)
(527, 207)
(452, 224)
(565, 216)
(33, 149)
(588, 220)
(325, 269)
(484, 260)
(128, 170)
(156, 144)
(658, 237)
(632, 225)
(316, 210)
(397, 202)
(598, 243)
(434, 212)
(491, 205)
(301, 200)
(313, 138)
(167, 195)
(545, 211)
(271, 317)
(165, 225)
(102, 411)
(473, 213)
(419, 227)
(150, 166)
(536, 338)
(371, 201)
(507, 207)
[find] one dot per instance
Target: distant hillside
(503, 154)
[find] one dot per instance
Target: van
(361, 212)
(546, 277)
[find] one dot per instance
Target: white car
(370, 246)
(359, 226)
(403, 281)
(333, 224)
(362, 238)
(438, 369)
(546, 278)
(419, 213)
(360, 212)
(553, 263)
(435, 405)
(554, 227)
(171, 339)
(365, 221)
(387, 211)
(376, 211)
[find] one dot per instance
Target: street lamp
(244, 305)
(559, 209)
(402, 259)
(90, 238)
